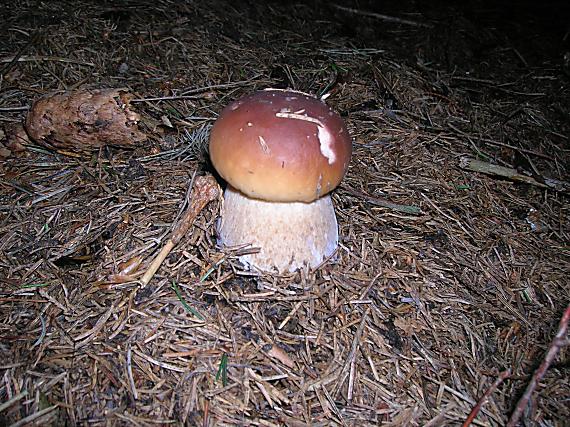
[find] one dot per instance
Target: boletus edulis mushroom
(281, 152)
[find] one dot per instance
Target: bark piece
(84, 120)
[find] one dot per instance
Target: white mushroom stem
(289, 235)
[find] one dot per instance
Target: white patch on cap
(296, 116)
(263, 144)
(326, 140)
(325, 137)
(269, 89)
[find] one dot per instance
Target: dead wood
(84, 120)
(204, 191)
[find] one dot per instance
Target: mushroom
(281, 152)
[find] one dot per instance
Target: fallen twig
(502, 376)
(500, 144)
(34, 58)
(34, 416)
(513, 174)
(191, 93)
(13, 400)
(557, 343)
(16, 58)
(409, 209)
(205, 190)
(383, 17)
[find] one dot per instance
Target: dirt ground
(446, 281)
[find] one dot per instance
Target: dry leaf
(130, 266)
(279, 354)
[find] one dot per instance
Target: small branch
(15, 108)
(13, 400)
(382, 17)
(130, 373)
(500, 144)
(557, 343)
(27, 420)
(513, 174)
(191, 93)
(205, 190)
(16, 58)
(471, 417)
(409, 209)
(12, 61)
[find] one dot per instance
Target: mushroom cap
(280, 145)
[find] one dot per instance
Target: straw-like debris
(444, 279)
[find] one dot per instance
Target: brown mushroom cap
(280, 146)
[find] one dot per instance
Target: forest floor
(445, 277)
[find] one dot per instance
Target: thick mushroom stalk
(291, 235)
